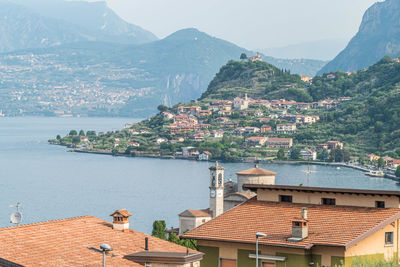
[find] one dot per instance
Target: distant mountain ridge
(25, 25)
(175, 69)
(378, 36)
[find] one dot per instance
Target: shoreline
(252, 160)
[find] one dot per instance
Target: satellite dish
(16, 218)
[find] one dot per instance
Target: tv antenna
(16, 217)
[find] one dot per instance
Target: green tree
(81, 133)
(58, 137)
(173, 238)
(398, 171)
(162, 108)
(323, 155)
(281, 154)
(243, 56)
(381, 163)
(295, 153)
(76, 140)
(159, 229)
(90, 133)
(115, 151)
(73, 132)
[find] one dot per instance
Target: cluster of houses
(190, 119)
(197, 122)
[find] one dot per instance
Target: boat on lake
(375, 173)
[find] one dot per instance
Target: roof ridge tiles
(45, 222)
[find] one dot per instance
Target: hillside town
(249, 130)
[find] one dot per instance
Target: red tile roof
(196, 213)
(66, 243)
(256, 172)
(123, 212)
(275, 139)
(328, 225)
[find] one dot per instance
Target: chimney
(300, 226)
(146, 244)
(304, 213)
(121, 220)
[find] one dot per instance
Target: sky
(252, 24)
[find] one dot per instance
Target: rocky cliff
(378, 36)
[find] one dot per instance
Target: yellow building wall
(375, 245)
(341, 199)
(229, 250)
(327, 253)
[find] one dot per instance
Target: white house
(205, 155)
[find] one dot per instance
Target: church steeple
(216, 190)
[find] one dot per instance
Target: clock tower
(216, 190)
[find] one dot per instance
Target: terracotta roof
(328, 225)
(196, 213)
(238, 194)
(254, 187)
(275, 139)
(123, 212)
(256, 171)
(67, 242)
(256, 138)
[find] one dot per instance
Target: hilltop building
(256, 58)
(304, 226)
(76, 242)
(224, 196)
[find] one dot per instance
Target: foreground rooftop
(340, 226)
(75, 242)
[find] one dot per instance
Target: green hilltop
(257, 79)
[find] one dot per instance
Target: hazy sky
(249, 23)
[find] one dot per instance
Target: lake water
(51, 183)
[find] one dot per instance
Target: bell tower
(216, 190)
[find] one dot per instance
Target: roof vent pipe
(304, 213)
(146, 244)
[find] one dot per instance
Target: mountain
(93, 16)
(24, 27)
(193, 58)
(319, 50)
(103, 79)
(378, 36)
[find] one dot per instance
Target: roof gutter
(247, 242)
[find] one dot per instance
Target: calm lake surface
(51, 183)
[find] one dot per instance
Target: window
(388, 238)
(328, 201)
(285, 198)
(380, 204)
